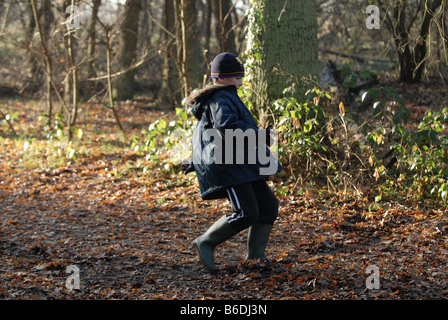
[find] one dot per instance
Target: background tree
(282, 48)
(124, 87)
(187, 46)
(410, 44)
(71, 81)
(91, 30)
(409, 23)
(169, 86)
(43, 33)
(225, 35)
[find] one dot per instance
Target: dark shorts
(252, 203)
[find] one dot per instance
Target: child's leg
(259, 233)
(267, 202)
(244, 202)
(246, 212)
(219, 232)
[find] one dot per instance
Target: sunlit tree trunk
(188, 54)
(282, 49)
(43, 31)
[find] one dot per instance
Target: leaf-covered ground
(129, 232)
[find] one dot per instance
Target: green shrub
(301, 129)
(422, 156)
(319, 144)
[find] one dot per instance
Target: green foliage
(164, 138)
(422, 156)
(385, 152)
(301, 131)
(256, 23)
(319, 144)
(354, 79)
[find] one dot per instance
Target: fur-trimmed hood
(199, 98)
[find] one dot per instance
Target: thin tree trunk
(73, 113)
(5, 17)
(412, 60)
(48, 64)
(182, 48)
(91, 47)
(422, 45)
(187, 46)
(145, 25)
(5, 116)
(124, 87)
(170, 82)
(36, 76)
(109, 80)
(224, 32)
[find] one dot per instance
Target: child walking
(221, 114)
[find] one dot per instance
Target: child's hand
(187, 166)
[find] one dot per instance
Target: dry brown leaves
(130, 234)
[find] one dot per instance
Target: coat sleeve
(225, 115)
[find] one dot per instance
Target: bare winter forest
(94, 127)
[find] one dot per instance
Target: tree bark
(91, 31)
(422, 45)
(187, 46)
(48, 61)
(124, 87)
(72, 77)
(282, 49)
(224, 33)
(411, 59)
(207, 21)
(170, 83)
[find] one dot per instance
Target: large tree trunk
(145, 26)
(72, 88)
(124, 87)
(207, 22)
(283, 49)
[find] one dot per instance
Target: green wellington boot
(257, 241)
(219, 232)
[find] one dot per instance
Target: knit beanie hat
(226, 65)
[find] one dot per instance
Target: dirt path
(128, 232)
(130, 239)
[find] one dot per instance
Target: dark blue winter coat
(218, 164)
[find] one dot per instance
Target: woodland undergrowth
(360, 187)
